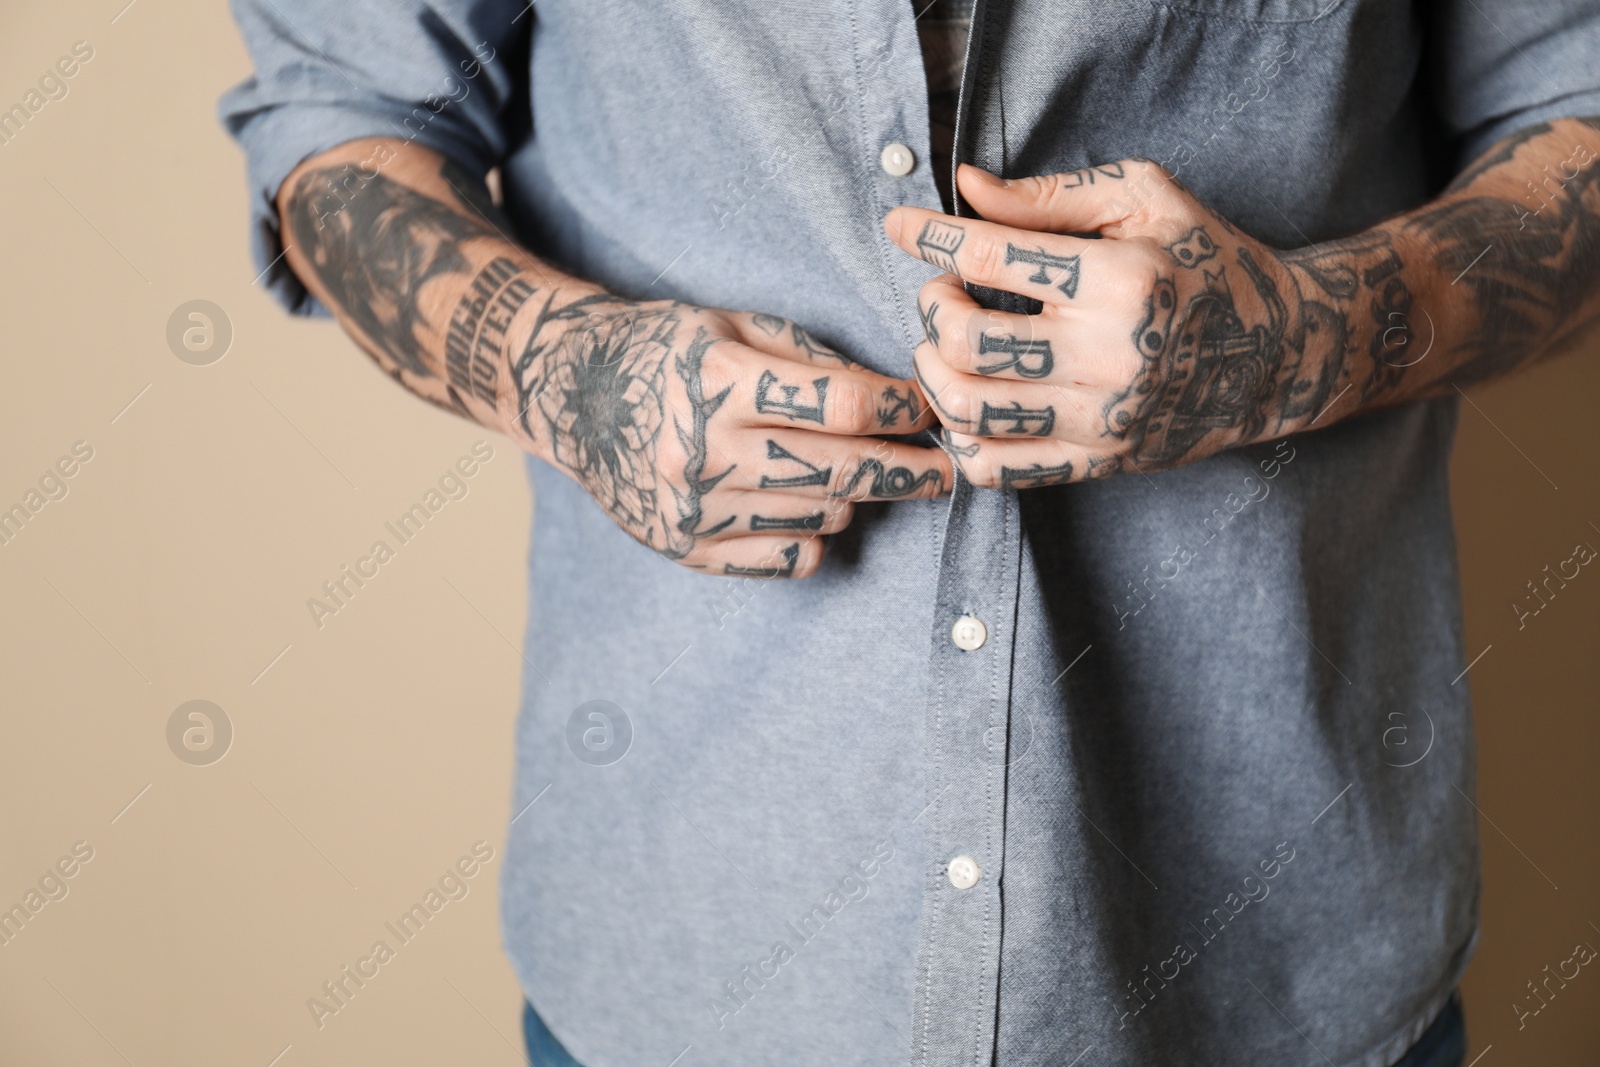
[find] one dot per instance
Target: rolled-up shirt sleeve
(1502, 66)
(440, 75)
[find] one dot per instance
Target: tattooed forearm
(1501, 270)
(475, 345)
(376, 253)
(1524, 267)
(414, 260)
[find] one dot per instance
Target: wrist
(544, 323)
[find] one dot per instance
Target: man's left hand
(1164, 335)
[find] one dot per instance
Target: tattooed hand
(1168, 335)
(727, 441)
(1168, 338)
(723, 440)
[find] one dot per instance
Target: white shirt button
(969, 633)
(963, 872)
(897, 160)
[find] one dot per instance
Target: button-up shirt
(1156, 769)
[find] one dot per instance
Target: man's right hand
(726, 441)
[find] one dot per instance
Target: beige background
(369, 755)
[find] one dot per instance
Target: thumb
(1113, 197)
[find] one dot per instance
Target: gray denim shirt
(1211, 763)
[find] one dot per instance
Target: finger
(973, 339)
(1080, 349)
(766, 391)
(761, 557)
(1114, 199)
(785, 339)
(991, 464)
(821, 466)
(1044, 266)
(758, 513)
(998, 408)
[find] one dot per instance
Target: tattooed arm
(1175, 335)
(726, 441)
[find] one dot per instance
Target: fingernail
(988, 178)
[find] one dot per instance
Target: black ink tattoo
(1502, 152)
(964, 451)
(693, 439)
(375, 244)
(1194, 248)
(933, 398)
(791, 556)
(895, 402)
(938, 244)
(889, 483)
(1087, 175)
(476, 343)
(1532, 267)
(813, 521)
(592, 376)
(1027, 359)
(1045, 262)
(814, 475)
(769, 324)
(789, 407)
(929, 329)
(1021, 421)
(1204, 369)
(815, 349)
(1034, 476)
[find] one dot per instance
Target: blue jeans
(1444, 1044)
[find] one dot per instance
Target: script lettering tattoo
(894, 402)
(476, 342)
(1045, 262)
(1029, 359)
(1034, 476)
(790, 556)
(1032, 422)
(1194, 248)
(814, 475)
(938, 244)
(888, 483)
(789, 407)
(813, 521)
(930, 330)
